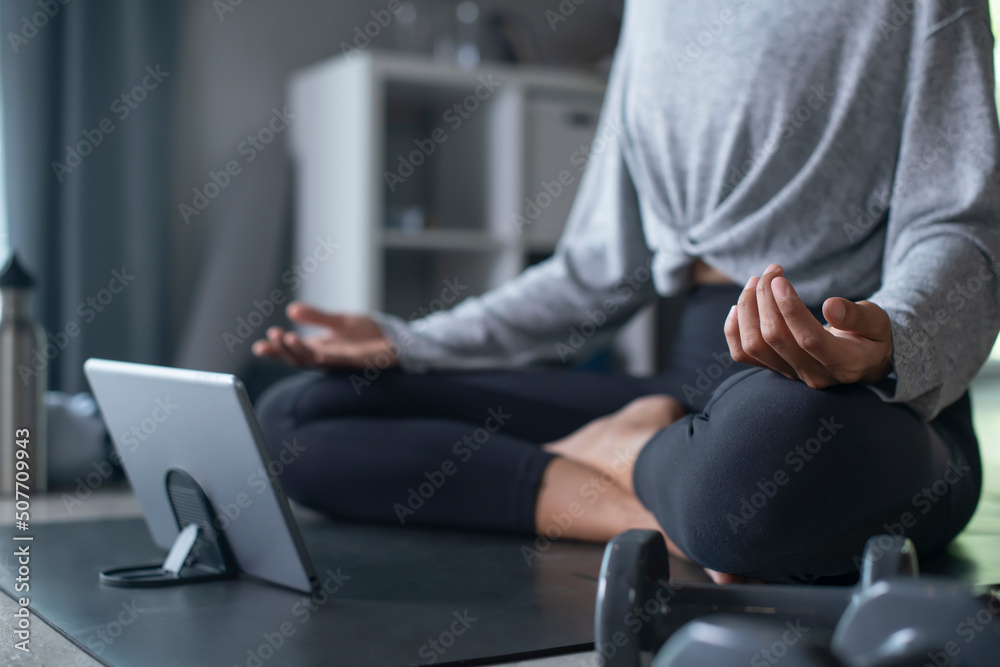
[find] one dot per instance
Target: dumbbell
(893, 622)
(925, 621)
(633, 597)
(638, 608)
(890, 619)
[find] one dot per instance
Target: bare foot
(576, 502)
(722, 578)
(578, 498)
(611, 444)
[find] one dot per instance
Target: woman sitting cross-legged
(821, 184)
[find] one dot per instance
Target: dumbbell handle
(811, 606)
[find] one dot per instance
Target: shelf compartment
(441, 239)
(417, 283)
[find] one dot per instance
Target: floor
(50, 649)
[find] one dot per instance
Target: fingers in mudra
(343, 340)
(771, 327)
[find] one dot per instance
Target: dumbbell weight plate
(907, 621)
(725, 640)
(635, 565)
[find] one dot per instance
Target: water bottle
(22, 386)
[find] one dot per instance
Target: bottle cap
(14, 275)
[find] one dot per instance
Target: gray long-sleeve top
(854, 142)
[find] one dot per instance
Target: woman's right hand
(349, 340)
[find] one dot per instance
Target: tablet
(202, 424)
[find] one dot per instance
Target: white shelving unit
(420, 171)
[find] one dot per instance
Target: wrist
(880, 372)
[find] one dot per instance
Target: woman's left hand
(771, 327)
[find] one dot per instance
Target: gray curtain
(86, 104)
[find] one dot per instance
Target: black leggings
(765, 477)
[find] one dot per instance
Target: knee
(774, 460)
(764, 421)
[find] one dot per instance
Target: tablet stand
(200, 553)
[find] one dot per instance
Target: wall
(230, 77)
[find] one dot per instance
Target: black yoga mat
(395, 596)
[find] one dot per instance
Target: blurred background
(117, 114)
